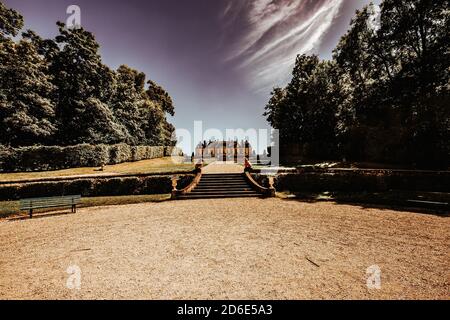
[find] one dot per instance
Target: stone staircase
(221, 185)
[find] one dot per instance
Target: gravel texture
(223, 167)
(226, 249)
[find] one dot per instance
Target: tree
(157, 94)
(274, 109)
(127, 102)
(27, 114)
(158, 130)
(390, 109)
(59, 92)
(10, 22)
(286, 107)
(140, 111)
(305, 111)
(386, 91)
(154, 123)
(419, 30)
(85, 87)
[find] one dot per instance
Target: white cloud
(276, 31)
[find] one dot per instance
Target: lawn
(11, 208)
(167, 164)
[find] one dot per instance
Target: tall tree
(85, 86)
(159, 95)
(305, 111)
(59, 92)
(10, 22)
(127, 103)
(26, 110)
(386, 90)
(420, 31)
(158, 130)
(390, 108)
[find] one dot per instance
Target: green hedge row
(359, 181)
(117, 186)
(44, 158)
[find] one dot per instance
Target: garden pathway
(223, 167)
(246, 248)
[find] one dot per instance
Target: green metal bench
(49, 202)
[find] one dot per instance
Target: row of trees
(384, 97)
(58, 92)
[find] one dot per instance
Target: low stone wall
(94, 187)
(360, 180)
(45, 158)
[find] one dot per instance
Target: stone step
(223, 179)
(218, 183)
(221, 185)
(228, 184)
(223, 192)
(222, 174)
(191, 196)
(222, 182)
(222, 188)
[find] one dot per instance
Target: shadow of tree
(397, 201)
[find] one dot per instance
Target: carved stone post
(272, 190)
(198, 166)
(174, 187)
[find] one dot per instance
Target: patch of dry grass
(11, 208)
(167, 164)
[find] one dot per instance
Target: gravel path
(222, 249)
(223, 167)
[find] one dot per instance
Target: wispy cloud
(273, 33)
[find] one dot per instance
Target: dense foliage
(94, 187)
(384, 97)
(45, 158)
(58, 92)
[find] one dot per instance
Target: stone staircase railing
(268, 192)
(176, 193)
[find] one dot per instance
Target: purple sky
(218, 59)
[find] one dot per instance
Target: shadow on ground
(40, 215)
(419, 202)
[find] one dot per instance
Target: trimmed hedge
(120, 153)
(115, 186)
(356, 181)
(141, 153)
(45, 158)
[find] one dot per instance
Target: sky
(218, 59)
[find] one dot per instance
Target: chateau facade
(223, 149)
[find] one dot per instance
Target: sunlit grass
(167, 164)
(11, 208)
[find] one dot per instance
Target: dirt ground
(222, 249)
(223, 167)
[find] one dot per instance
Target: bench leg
(31, 213)
(74, 208)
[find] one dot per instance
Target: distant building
(223, 150)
